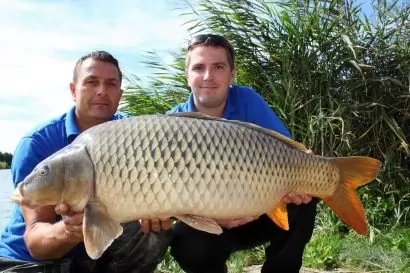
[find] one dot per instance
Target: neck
(86, 123)
(213, 112)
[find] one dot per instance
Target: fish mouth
(17, 195)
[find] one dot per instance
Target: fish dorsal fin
(297, 145)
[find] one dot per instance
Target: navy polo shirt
(244, 104)
(38, 144)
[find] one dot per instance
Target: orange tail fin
(355, 171)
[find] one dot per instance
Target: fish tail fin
(354, 172)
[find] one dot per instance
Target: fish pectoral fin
(279, 215)
(99, 229)
(201, 223)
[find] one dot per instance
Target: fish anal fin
(279, 215)
(201, 223)
(354, 171)
(99, 229)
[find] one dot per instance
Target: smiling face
(97, 90)
(209, 76)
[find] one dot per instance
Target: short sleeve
(26, 156)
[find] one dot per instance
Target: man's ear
(72, 90)
(187, 76)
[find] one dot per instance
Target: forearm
(47, 241)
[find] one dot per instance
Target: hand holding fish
(291, 197)
(155, 225)
(73, 222)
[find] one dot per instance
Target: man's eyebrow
(112, 79)
(90, 77)
(220, 63)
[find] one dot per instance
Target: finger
(73, 219)
(166, 224)
(145, 226)
(156, 225)
(74, 228)
(296, 199)
(285, 199)
(74, 233)
(306, 199)
(62, 209)
(310, 152)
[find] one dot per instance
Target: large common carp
(191, 167)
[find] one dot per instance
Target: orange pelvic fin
(355, 171)
(279, 215)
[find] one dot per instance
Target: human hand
(155, 225)
(235, 222)
(294, 198)
(73, 222)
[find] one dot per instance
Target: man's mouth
(99, 104)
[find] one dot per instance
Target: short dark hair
(213, 40)
(98, 55)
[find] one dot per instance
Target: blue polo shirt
(38, 144)
(244, 104)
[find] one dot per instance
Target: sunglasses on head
(211, 39)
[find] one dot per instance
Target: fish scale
(192, 167)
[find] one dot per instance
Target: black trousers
(201, 252)
(133, 252)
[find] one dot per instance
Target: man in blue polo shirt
(210, 71)
(50, 239)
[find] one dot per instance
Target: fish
(193, 168)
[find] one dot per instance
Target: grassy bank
(381, 251)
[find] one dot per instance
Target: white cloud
(41, 42)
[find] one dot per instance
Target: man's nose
(102, 88)
(208, 74)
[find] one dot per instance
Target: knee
(187, 246)
(195, 250)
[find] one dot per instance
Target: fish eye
(43, 171)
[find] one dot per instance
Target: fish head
(44, 185)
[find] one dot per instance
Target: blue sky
(41, 41)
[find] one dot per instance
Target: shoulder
(36, 145)
(182, 107)
(120, 115)
(47, 128)
(258, 110)
(247, 94)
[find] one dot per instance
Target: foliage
(5, 160)
(388, 251)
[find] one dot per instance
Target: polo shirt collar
(231, 103)
(71, 127)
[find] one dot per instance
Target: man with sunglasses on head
(210, 71)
